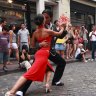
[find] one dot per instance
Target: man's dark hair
(55, 21)
(49, 12)
(2, 20)
(5, 28)
(39, 19)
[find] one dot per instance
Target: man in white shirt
(2, 23)
(23, 37)
(92, 36)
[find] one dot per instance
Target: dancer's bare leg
(48, 76)
(47, 81)
(18, 84)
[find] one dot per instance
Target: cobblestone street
(79, 79)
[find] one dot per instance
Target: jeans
(93, 49)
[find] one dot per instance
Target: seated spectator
(24, 58)
(80, 53)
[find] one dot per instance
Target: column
(40, 6)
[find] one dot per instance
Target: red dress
(38, 69)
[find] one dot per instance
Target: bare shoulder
(48, 30)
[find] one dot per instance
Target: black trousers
(59, 61)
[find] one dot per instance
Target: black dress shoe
(58, 84)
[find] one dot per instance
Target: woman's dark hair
(11, 26)
(39, 19)
(25, 47)
(55, 21)
(2, 20)
(49, 12)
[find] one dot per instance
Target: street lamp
(10, 1)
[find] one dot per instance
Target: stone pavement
(79, 79)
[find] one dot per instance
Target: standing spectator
(76, 40)
(2, 23)
(84, 36)
(4, 38)
(56, 25)
(23, 37)
(92, 36)
(69, 43)
(59, 46)
(12, 44)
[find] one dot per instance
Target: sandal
(9, 94)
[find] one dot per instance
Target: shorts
(14, 46)
(4, 57)
(60, 47)
(25, 64)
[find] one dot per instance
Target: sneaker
(92, 59)
(89, 59)
(19, 93)
(5, 68)
(58, 84)
(85, 61)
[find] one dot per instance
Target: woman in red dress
(38, 69)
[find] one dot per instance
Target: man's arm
(29, 39)
(18, 41)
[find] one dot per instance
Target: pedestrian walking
(4, 38)
(12, 42)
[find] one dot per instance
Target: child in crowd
(80, 53)
(4, 40)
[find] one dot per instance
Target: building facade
(83, 12)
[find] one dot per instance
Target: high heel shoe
(9, 94)
(47, 88)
